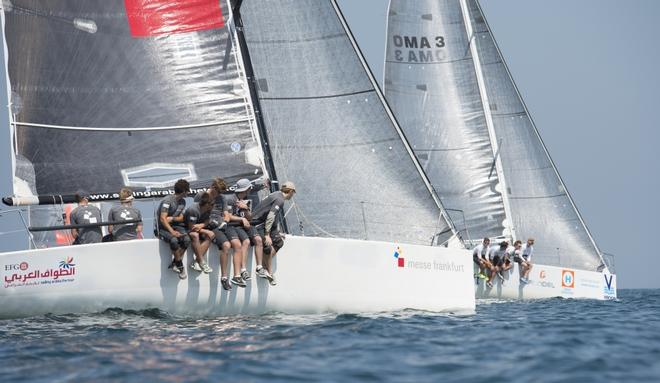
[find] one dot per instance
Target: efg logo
(398, 255)
(568, 279)
(17, 266)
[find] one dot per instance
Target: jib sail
(331, 132)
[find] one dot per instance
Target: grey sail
(431, 85)
(331, 133)
(536, 202)
(113, 93)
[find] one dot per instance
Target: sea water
(553, 340)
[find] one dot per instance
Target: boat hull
(550, 282)
(314, 275)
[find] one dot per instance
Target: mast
(254, 97)
(489, 117)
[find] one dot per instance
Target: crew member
(125, 212)
(196, 219)
(85, 214)
(170, 225)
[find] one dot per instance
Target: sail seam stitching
(318, 97)
(62, 127)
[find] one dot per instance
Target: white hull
(314, 275)
(550, 282)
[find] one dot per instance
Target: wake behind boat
(139, 97)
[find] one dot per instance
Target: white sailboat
(452, 92)
(112, 93)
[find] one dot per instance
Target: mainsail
(482, 123)
(113, 93)
(331, 131)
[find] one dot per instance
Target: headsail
(431, 85)
(138, 93)
(539, 205)
(330, 130)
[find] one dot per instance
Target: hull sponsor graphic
(165, 17)
(434, 265)
(543, 282)
(22, 274)
(568, 279)
(608, 290)
(401, 262)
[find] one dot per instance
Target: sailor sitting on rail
(125, 212)
(525, 261)
(170, 225)
(85, 214)
(239, 209)
(196, 219)
(264, 218)
(479, 257)
(496, 255)
(218, 224)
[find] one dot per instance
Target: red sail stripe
(164, 17)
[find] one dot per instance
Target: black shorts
(278, 241)
(175, 243)
(517, 259)
(497, 261)
(220, 237)
(244, 233)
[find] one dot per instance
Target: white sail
(448, 83)
(330, 129)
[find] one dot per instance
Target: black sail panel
(112, 93)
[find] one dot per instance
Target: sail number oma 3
(418, 49)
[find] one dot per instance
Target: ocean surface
(555, 340)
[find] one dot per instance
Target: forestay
(538, 203)
(330, 131)
(112, 93)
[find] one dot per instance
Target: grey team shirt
(273, 203)
(217, 213)
(172, 207)
(230, 206)
(194, 215)
(85, 215)
(124, 213)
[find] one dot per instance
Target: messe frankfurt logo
(398, 255)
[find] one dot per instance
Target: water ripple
(553, 340)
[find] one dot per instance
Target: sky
(587, 70)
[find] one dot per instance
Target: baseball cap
(289, 185)
(243, 185)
